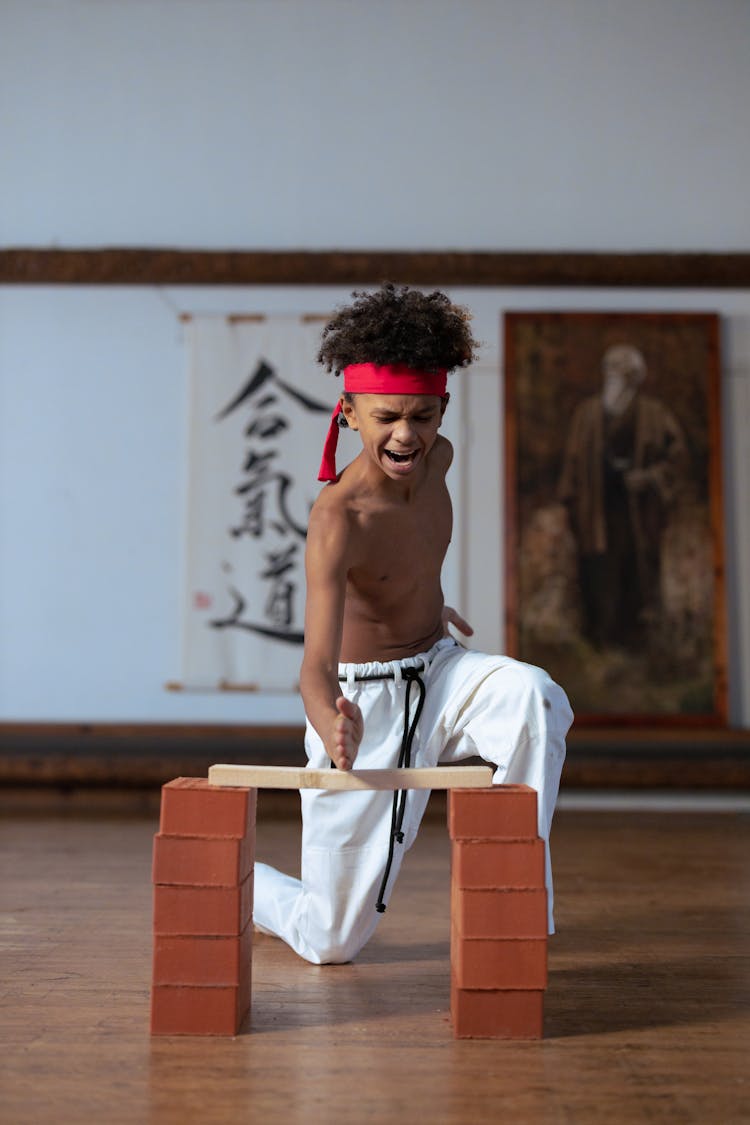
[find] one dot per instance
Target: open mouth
(400, 458)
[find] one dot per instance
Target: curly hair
(398, 325)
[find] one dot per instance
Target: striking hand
(348, 729)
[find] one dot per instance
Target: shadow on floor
(631, 995)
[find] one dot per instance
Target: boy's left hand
(452, 617)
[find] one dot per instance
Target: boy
(383, 682)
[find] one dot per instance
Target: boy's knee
(333, 949)
(548, 696)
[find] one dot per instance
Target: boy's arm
(336, 719)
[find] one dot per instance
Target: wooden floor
(647, 1015)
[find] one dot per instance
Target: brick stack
(203, 905)
(498, 914)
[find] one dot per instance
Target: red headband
(369, 379)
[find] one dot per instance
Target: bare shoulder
(330, 514)
(442, 454)
(330, 528)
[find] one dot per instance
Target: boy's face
(397, 431)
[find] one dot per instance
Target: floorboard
(647, 1015)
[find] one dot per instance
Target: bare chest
(402, 546)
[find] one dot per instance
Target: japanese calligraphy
(270, 512)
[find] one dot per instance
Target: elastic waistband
(393, 669)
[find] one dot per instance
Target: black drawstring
(412, 676)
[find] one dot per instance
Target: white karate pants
(510, 714)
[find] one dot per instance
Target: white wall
(534, 124)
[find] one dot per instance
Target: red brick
(497, 863)
(499, 913)
(499, 812)
(498, 963)
(192, 807)
(199, 1009)
(497, 1014)
(202, 861)
(203, 960)
(209, 911)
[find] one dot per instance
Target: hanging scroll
(260, 406)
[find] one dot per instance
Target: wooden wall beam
(164, 266)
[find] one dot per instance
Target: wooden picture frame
(614, 577)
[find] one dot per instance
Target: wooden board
(292, 777)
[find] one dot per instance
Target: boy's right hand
(348, 728)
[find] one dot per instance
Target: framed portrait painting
(614, 533)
